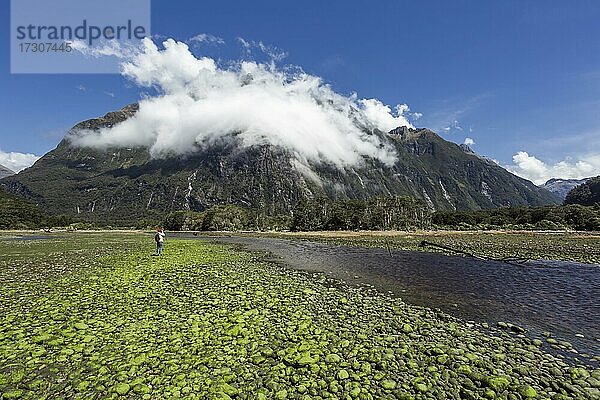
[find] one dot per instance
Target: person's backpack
(157, 237)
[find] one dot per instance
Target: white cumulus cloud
(529, 167)
(469, 142)
(17, 161)
(381, 115)
(200, 103)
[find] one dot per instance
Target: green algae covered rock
(307, 360)
(13, 394)
(333, 358)
(80, 326)
(388, 384)
(122, 388)
(343, 374)
(528, 392)
(498, 383)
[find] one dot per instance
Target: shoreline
(571, 246)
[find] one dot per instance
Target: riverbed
(559, 298)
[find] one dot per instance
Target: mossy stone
(498, 383)
(306, 360)
(141, 388)
(528, 392)
(421, 387)
(343, 374)
(122, 388)
(388, 384)
(332, 358)
(13, 394)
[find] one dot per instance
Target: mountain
(560, 187)
(120, 185)
(4, 172)
(586, 194)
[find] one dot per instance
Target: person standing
(159, 238)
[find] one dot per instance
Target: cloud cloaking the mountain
(200, 103)
(16, 161)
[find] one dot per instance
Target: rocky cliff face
(560, 187)
(120, 185)
(4, 172)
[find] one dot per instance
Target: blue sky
(512, 75)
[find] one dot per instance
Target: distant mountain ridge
(586, 194)
(561, 187)
(4, 172)
(120, 185)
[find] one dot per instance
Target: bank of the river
(97, 316)
(581, 247)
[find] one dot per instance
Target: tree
(377, 213)
(16, 213)
(225, 218)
